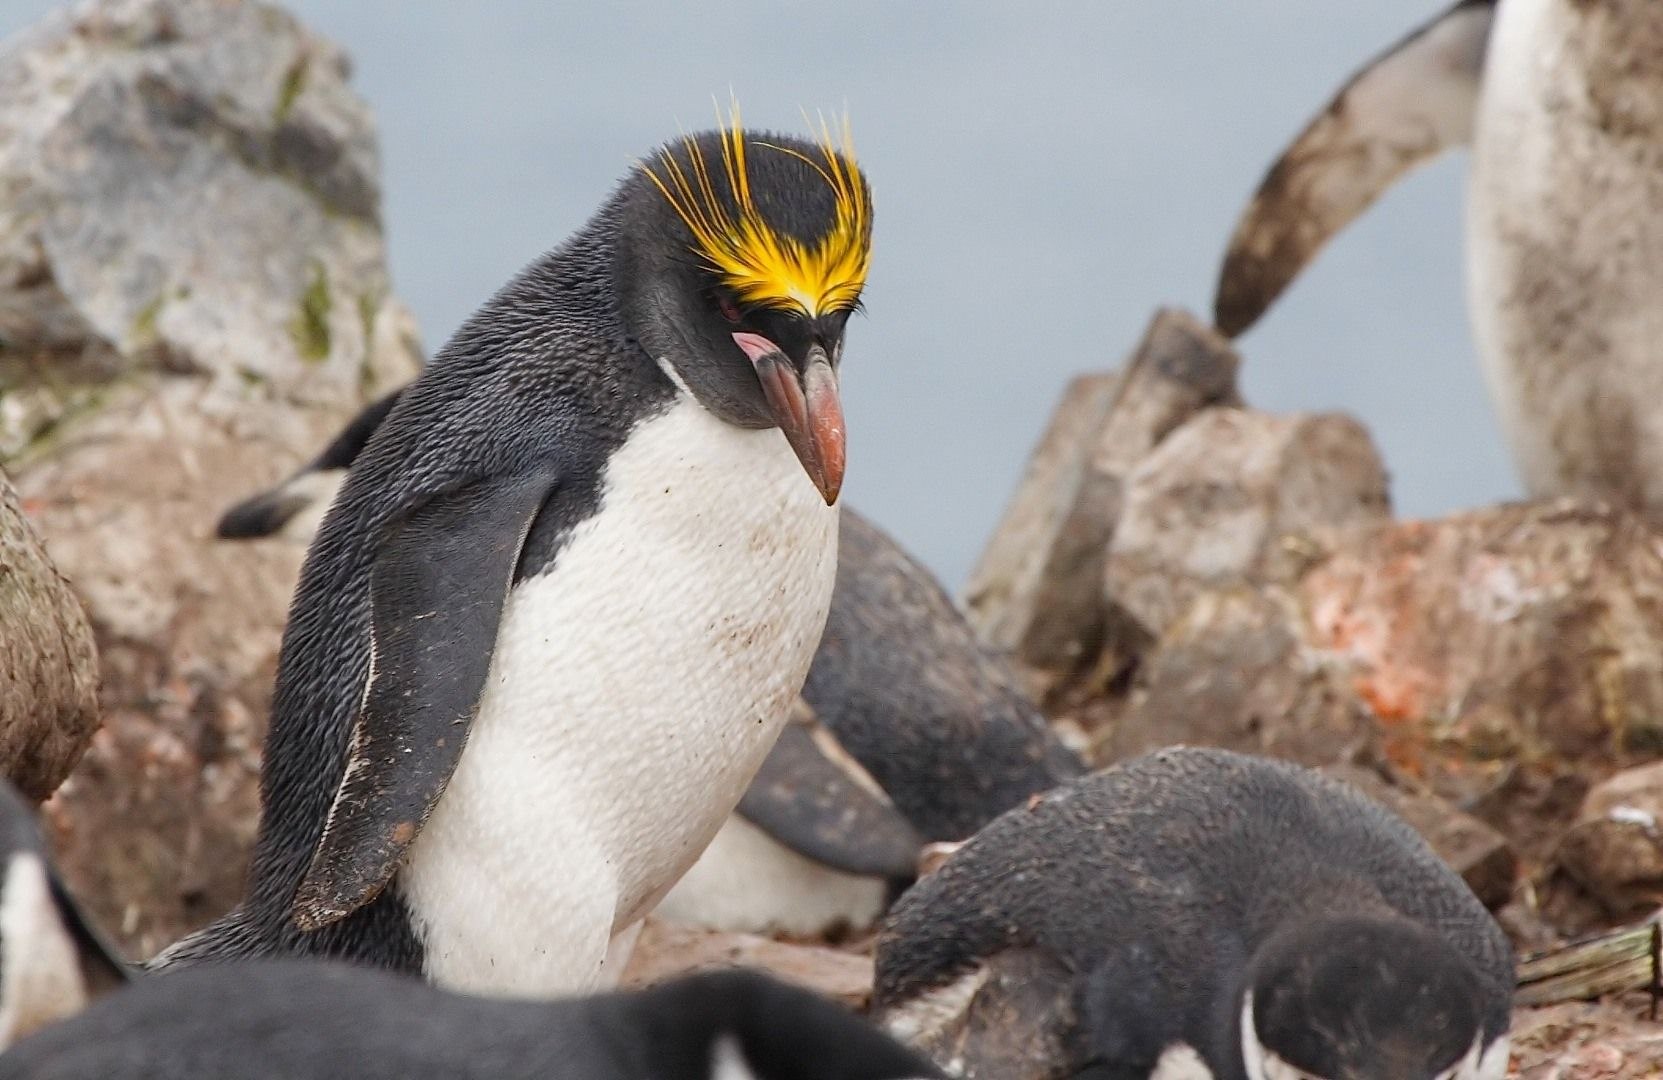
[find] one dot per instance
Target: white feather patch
(926, 1016)
(1181, 1062)
(748, 882)
(40, 973)
(635, 688)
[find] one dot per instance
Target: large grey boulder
(1035, 593)
(193, 291)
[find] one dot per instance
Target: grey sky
(1044, 175)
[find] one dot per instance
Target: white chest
(1565, 242)
(635, 688)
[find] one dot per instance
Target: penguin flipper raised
(807, 799)
(1407, 105)
(437, 590)
(265, 513)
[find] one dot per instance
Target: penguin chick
(909, 732)
(1199, 913)
(557, 614)
(52, 962)
(312, 1020)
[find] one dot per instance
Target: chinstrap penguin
(52, 960)
(909, 733)
(1562, 103)
(1198, 913)
(553, 621)
(319, 1020)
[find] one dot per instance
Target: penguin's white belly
(636, 686)
(1565, 259)
(746, 881)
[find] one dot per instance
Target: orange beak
(806, 408)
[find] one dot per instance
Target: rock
(1054, 522)
(193, 290)
(1229, 496)
(1233, 671)
(48, 664)
(1609, 1039)
(1034, 592)
(665, 950)
(190, 189)
(1525, 632)
(1479, 853)
(1614, 850)
(1504, 658)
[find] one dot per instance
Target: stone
(193, 292)
(1614, 850)
(1519, 633)
(1035, 591)
(1503, 659)
(665, 950)
(1228, 497)
(48, 662)
(1233, 671)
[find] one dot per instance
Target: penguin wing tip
(321, 902)
(258, 517)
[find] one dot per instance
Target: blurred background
(1045, 175)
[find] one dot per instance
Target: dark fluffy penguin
(311, 1020)
(1199, 913)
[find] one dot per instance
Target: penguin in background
(52, 960)
(1198, 914)
(562, 605)
(908, 733)
(317, 1020)
(1561, 102)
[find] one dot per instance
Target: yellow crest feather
(761, 265)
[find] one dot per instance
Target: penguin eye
(729, 309)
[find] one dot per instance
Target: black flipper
(1403, 108)
(102, 968)
(266, 513)
(808, 800)
(437, 590)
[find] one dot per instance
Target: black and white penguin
(908, 733)
(555, 618)
(1198, 914)
(52, 960)
(314, 1020)
(1562, 103)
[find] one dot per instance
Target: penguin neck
(570, 289)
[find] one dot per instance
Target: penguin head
(738, 1025)
(1363, 999)
(740, 258)
(51, 963)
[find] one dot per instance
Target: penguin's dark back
(1193, 855)
(541, 372)
(901, 681)
(305, 1020)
